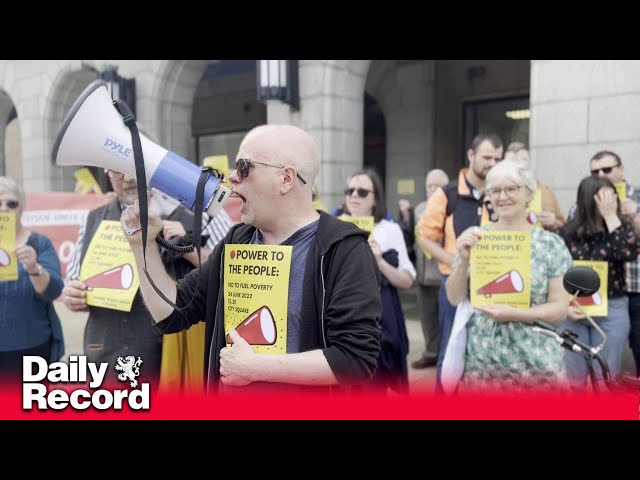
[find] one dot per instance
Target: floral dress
(510, 355)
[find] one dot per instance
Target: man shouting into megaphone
(332, 308)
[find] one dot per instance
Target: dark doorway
(225, 108)
(507, 117)
(375, 137)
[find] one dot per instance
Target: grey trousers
(428, 313)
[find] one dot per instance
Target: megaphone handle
(141, 180)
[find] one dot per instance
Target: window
(507, 117)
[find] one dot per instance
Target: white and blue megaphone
(93, 133)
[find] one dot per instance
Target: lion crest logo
(130, 368)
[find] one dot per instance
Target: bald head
(287, 144)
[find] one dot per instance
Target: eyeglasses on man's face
(606, 170)
(509, 191)
(243, 166)
(361, 192)
(10, 204)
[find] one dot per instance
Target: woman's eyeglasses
(243, 166)
(606, 170)
(11, 204)
(362, 192)
(508, 191)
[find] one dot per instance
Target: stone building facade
(576, 108)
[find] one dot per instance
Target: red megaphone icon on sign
(119, 278)
(594, 299)
(510, 282)
(259, 328)
(5, 259)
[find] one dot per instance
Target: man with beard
(110, 333)
(449, 212)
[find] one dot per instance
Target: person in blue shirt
(28, 322)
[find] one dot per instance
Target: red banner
(59, 216)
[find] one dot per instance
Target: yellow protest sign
(500, 269)
(87, 181)
(8, 260)
(364, 223)
(109, 269)
(621, 190)
(256, 294)
(534, 208)
(220, 163)
(596, 305)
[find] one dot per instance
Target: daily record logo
(42, 396)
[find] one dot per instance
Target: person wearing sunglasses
(333, 300)
(364, 197)
(502, 352)
(29, 324)
(608, 164)
(110, 333)
(600, 232)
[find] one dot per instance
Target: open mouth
(236, 194)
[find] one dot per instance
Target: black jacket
(341, 305)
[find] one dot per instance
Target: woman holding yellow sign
(364, 197)
(598, 232)
(501, 350)
(30, 280)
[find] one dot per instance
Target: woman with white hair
(28, 321)
(502, 350)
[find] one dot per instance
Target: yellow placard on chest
(500, 269)
(109, 269)
(256, 294)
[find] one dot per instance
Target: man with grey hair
(333, 302)
(429, 279)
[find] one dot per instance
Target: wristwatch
(38, 272)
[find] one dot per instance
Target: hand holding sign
(235, 362)
(468, 239)
(547, 219)
(499, 313)
(628, 207)
(74, 295)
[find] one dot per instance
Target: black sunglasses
(607, 170)
(243, 165)
(12, 204)
(362, 192)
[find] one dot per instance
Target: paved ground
(73, 326)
